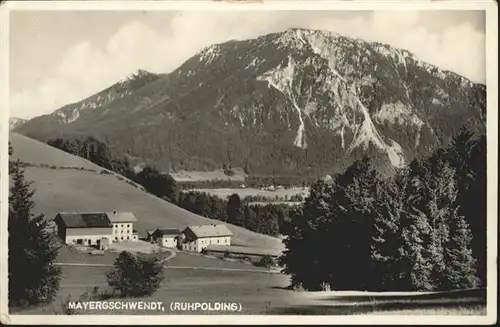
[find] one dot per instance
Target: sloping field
(60, 190)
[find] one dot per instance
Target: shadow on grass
(369, 308)
(460, 301)
(283, 288)
(474, 295)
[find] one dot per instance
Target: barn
(84, 228)
(88, 228)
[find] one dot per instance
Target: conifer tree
(234, 210)
(353, 211)
(387, 271)
(415, 232)
(33, 278)
(250, 218)
(438, 204)
(306, 241)
(460, 271)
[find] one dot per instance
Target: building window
(116, 238)
(128, 238)
(122, 237)
(217, 241)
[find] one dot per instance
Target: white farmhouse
(197, 238)
(123, 226)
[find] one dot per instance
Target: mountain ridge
(322, 98)
(15, 122)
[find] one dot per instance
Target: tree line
(268, 219)
(99, 153)
(96, 151)
(424, 228)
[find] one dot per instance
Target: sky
(61, 57)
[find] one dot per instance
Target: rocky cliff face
(297, 101)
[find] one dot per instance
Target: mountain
(16, 122)
(68, 183)
(301, 100)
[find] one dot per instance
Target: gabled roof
(210, 230)
(84, 220)
(167, 231)
(121, 217)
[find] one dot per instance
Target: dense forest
(424, 228)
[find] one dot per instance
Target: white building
(196, 238)
(123, 226)
(94, 228)
(88, 229)
(166, 237)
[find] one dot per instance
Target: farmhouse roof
(85, 220)
(167, 231)
(243, 250)
(210, 230)
(121, 217)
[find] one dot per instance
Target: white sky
(61, 57)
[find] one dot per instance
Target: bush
(227, 254)
(298, 287)
(266, 261)
(325, 286)
(136, 275)
(228, 172)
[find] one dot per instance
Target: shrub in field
(266, 261)
(228, 172)
(325, 286)
(298, 287)
(135, 275)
